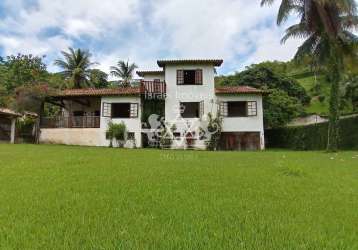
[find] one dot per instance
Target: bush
(116, 132)
(313, 137)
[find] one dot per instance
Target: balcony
(153, 90)
(71, 122)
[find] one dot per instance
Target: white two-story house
(173, 103)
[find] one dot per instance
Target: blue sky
(238, 31)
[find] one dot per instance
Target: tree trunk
(37, 124)
(334, 104)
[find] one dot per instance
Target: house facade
(173, 104)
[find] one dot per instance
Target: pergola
(11, 116)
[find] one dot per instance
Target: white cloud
(239, 31)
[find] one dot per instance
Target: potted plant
(116, 132)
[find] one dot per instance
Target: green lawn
(58, 197)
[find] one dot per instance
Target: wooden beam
(54, 102)
(85, 102)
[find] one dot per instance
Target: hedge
(313, 137)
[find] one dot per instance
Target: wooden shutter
(107, 109)
(180, 77)
(199, 76)
(134, 110)
(201, 107)
(252, 108)
(223, 109)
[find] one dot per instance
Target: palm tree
(326, 25)
(76, 66)
(125, 71)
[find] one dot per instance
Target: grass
(308, 82)
(60, 197)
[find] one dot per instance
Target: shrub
(116, 132)
(321, 98)
(313, 137)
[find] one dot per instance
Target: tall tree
(98, 79)
(326, 25)
(125, 71)
(18, 70)
(76, 66)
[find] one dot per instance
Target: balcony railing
(71, 122)
(153, 89)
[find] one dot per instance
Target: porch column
(262, 140)
(13, 130)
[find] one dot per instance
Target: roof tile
(216, 62)
(98, 92)
(238, 90)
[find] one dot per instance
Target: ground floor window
(120, 110)
(130, 136)
(238, 108)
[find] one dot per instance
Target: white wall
(132, 124)
(244, 124)
(188, 93)
(152, 77)
(73, 136)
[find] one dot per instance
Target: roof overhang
(9, 112)
(231, 90)
(91, 92)
(214, 62)
(143, 73)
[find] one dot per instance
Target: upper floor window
(238, 109)
(190, 77)
(120, 110)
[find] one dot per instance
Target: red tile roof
(149, 72)
(215, 62)
(238, 90)
(99, 92)
(8, 112)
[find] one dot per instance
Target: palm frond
(307, 47)
(295, 31)
(267, 2)
(284, 11)
(76, 65)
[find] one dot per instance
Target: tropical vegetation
(76, 65)
(116, 132)
(326, 25)
(124, 71)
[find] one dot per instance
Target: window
(106, 109)
(238, 109)
(252, 108)
(190, 109)
(189, 77)
(120, 110)
(177, 135)
(130, 136)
